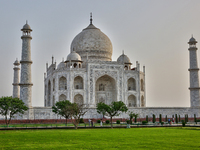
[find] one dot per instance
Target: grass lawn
(135, 138)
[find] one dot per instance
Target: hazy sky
(153, 32)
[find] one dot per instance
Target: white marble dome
(73, 56)
(61, 65)
(123, 59)
(94, 42)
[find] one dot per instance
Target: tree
(111, 110)
(133, 115)
(76, 112)
(62, 108)
(10, 106)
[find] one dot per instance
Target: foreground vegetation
(135, 138)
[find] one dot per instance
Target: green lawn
(135, 138)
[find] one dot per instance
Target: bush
(154, 118)
(183, 123)
(160, 118)
(107, 121)
(144, 122)
(118, 122)
(198, 120)
(162, 123)
(81, 120)
(128, 121)
(98, 121)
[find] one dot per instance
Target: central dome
(92, 43)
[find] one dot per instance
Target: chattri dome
(93, 44)
(73, 56)
(192, 40)
(26, 27)
(123, 59)
(61, 65)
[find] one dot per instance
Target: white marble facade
(89, 75)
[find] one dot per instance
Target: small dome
(73, 56)
(16, 63)
(124, 59)
(61, 65)
(26, 27)
(192, 40)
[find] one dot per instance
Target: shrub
(144, 122)
(147, 118)
(154, 118)
(198, 120)
(81, 120)
(128, 121)
(107, 121)
(162, 123)
(118, 122)
(183, 123)
(195, 119)
(179, 118)
(160, 118)
(98, 121)
(176, 118)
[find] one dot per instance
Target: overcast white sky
(153, 32)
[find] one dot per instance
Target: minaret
(25, 83)
(16, 79)
(194, 75)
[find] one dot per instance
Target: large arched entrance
(105, 90)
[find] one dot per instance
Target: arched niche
(49, 94)
(142, 84)
(62, 97)
(78, 99)
(142, 101)
(105, 90)
(131, 84)
(62, 83)
(53, 84)
(132, 101)
(53, 100)
(78, 82)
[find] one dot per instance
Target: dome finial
(26, 21)
(90, 18)
(123, 52)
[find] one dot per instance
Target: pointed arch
(78, 82)
(78, 99)
(62, 97)
(62, 83)
(131, 83)
(132, 101)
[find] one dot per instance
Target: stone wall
(46, 112)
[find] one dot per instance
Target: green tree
(10, 106)
(133, 115)
(62, 108)
(77, 111)
(111, 110)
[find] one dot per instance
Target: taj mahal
(88, 75)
